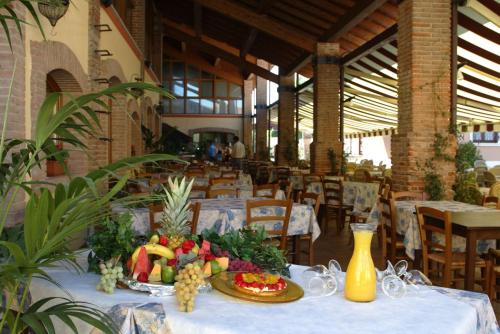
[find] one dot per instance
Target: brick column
(286, 151)
(424, 53)
(138, 25)
(247, 115)
(261, 111)
(98, 149)
(326, 106)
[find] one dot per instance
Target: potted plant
(57, 162)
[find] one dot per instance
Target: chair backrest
(384, 190)
(223, 180)
(230, 174)
(361, 175)
(428, 220)
(222, 193)
(195, 208)
(311, 199)
(288, 189)
(495, 190)
(283, 173)
(491, 202)
(153, 209)
(154, 182)
(489, 178)
(387, 209)
(407, 196)
(272, 205)
(199, 192)
(333, 191)
(191, 174)
(265, 190)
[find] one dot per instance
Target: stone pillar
(247, 115)
(286, 151)
(261, 115)
(326, 107)
(424, 103)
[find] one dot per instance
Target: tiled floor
(332, 246)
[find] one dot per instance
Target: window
(485, 137)
(199, 92)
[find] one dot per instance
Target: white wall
(185, 124)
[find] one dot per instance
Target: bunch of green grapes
(186, 286)
(111, 272)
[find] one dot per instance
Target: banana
(153, 249)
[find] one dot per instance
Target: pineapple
(174, 220)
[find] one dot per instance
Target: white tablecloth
(431, 311)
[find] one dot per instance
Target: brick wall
(138, 28)
(286, 126)
(16, 115)
(326, 106)
(424, 44)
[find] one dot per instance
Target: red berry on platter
(163, 240)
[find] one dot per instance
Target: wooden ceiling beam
(262, 23)
(346, 22)
(197, 18)
(264, 6)
(196, 60)
(201, 45)
(375, 43)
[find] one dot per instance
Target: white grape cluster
(110, 274)
(186, 286)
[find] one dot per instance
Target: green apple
(215, 267)
(167, 274)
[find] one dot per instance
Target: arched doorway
(61, 81)
(135, 135)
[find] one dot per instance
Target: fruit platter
(174, 261)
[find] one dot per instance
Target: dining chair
(265, 190)
(493, 273)
(230, 174)
(199, 192)
(393, 248)
(191, 174)
(406, 195)
(157, 208)
(222, 193)
(489, 178)
(333, 192)
(262, 174)
(433, 222)
(289, 191)
(495, 190)
(223, 180)
(491, 202)
(361, 175)
(312, 199)
(273, 218)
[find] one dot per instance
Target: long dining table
(475, 229)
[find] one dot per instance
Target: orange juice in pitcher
(361, 280)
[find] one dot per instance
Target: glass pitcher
(361, 279)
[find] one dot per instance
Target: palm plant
(54, 212)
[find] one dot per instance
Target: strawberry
(172, 262)
(188, 245)
(143, 277)
(209, 257)
(163, 240)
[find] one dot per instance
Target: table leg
(470, 259)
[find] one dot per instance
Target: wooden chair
(489, 179)
(437, 252)
(491, 202)
(406, 196)
(223, 180)
(393, 248)
(195, 208)
(493, 273)
(333, 192)
(156, 208)
(195, 190)
(361, 175)
(311, 178)
(314, 200)
(191, 174)
(289, 191)
(265, 190)
(230, 174)
(222, 193)
(262, 174)
(252, 219)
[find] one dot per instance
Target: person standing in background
(238, 153)
(212, 151)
